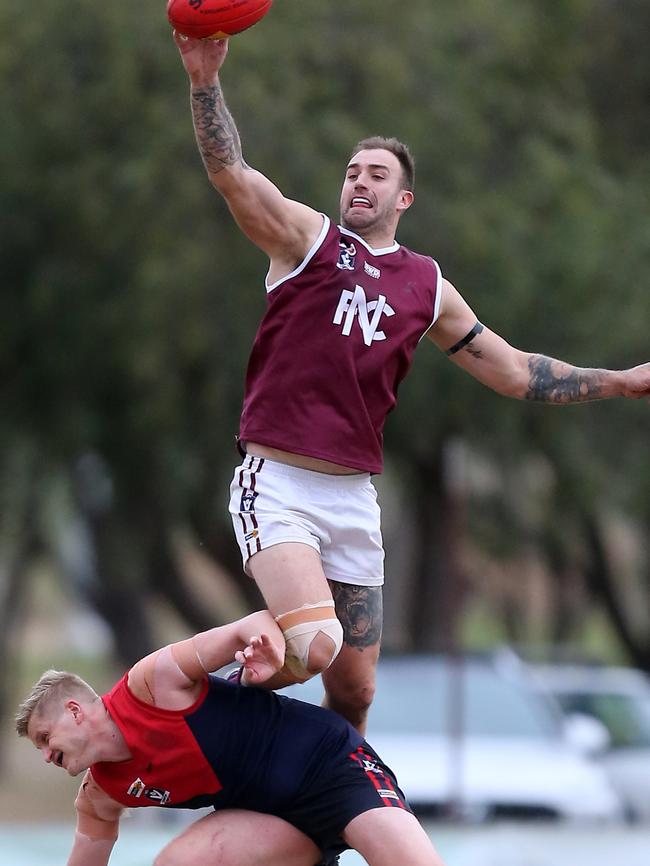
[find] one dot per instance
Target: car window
(427, 699)
(626, 717)
(422, 696)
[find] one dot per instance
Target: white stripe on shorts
(247, 482)
(337, 515)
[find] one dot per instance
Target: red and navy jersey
(337, 338)
(234, 747)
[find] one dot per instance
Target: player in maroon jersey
(289, 782)
(347, 305)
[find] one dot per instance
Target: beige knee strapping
(300, 627)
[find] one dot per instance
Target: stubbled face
(372, 197)
(61, 739)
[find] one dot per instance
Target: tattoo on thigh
(360, 611)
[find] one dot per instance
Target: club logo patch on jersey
(371, 767)
(355, 306)
(138, 789)
(347, 256)
(157, 795)
(247, 503)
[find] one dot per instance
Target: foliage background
(130, 302)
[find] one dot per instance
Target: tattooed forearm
(360, 611)
(215, 130)
(556, 382)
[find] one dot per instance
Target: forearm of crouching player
(93, 841)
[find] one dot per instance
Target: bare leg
(388, 836)
(234, 837)
(290, 575)
(350, 681)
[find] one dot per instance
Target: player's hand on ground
(261, 659)
(637, 382)
(202, 58)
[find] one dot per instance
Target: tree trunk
(438, 580)
(20, 547)
(603, 584)
(112, 574)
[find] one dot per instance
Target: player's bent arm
(172, 677)
(282, 228)
(98, 818)
(510, 371)
(217, 647)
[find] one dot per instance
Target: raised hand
(202, 58)
(261, 659)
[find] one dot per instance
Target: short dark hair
(396, 147)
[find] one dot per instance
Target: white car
(619, 700)
(469, 741)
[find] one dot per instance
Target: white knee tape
(300, 636)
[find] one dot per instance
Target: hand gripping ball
(215, 19)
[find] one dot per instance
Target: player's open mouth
(59, 759)
(358, 201)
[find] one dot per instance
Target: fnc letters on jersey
(355, 303)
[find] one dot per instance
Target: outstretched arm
(282, 228)
(524, 375)
(98, 818)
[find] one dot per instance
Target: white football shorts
(337, 515)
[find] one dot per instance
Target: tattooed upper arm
(282, 228)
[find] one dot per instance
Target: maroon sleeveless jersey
(336, 340)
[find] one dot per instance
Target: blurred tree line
(130, 300)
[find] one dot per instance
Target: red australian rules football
(215, 19)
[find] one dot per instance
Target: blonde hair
(51, 687)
